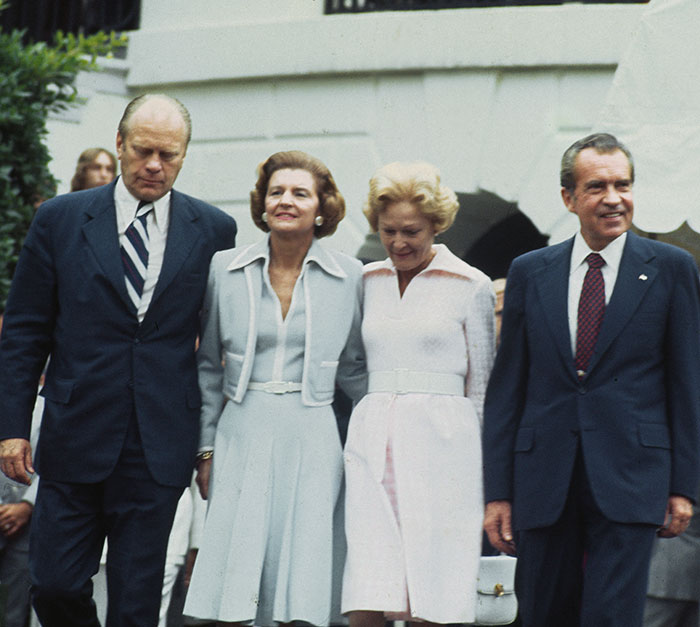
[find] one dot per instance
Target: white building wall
(490, 96)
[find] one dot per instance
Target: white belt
(404, 381)
(275, 387)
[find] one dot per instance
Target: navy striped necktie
(134, 251)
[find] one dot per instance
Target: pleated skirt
(273, 546)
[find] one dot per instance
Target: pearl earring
(263, 217)
(318, 220)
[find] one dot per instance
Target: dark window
(361, 6)
(42, 18)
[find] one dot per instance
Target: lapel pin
(643, 277)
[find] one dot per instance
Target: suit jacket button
(130, 384)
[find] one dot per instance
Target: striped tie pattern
(134, 251)
(591, 309)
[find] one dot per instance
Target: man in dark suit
(592, 415)
(109, 286)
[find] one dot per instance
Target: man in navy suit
(593, 460)
(119, 432)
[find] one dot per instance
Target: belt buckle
(277, 387)
(401, 380)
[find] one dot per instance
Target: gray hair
(603, 143)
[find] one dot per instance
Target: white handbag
(496, 603)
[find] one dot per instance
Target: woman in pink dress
(414, 499)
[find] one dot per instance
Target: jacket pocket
(233, 365)
(230, 357)
(58, 390)
(192, 278)
(524, 440)
(654, 435)
(324, 381)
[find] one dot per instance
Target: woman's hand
(203, 473)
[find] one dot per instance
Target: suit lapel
(638, 270)
(552, 283)
(101, 234)
(182, 236)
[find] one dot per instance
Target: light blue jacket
(333, 344)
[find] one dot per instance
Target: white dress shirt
(157, 222)
(611, 254)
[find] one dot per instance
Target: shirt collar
(261, 250)
(611, 254)
(126, 205)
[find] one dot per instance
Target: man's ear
(568, 199)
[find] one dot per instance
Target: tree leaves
(36, 80)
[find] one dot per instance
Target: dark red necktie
(591, 308)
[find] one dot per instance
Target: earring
(263, 217)
(318, 220)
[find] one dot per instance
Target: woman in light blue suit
(281, 324)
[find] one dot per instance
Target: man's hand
(14, 517)
(203, 473)
(16, 459)
(497, 524)
(679, 511)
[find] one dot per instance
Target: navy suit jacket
(636, 414)
(69, 301)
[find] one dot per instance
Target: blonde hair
(417, 183)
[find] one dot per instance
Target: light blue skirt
(273, 547)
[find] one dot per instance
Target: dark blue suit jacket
(636, 413)
(69, 301)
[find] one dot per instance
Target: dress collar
(444, 261)
(261, 250)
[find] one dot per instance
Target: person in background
(109, 285)
(673, 594)
(414, 502)
(592, 415)
(96, 166)
(16, 506)
(284, 315)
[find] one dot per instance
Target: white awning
(653, 106)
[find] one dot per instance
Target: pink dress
(414, 502)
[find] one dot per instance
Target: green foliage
(35, 80)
